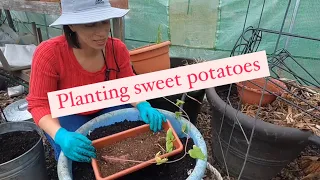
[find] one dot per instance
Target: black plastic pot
(272, 146)
(29, 166)
(191, 106)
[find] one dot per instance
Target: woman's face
(92, 35)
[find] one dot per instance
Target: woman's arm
(49, 125)
(43, 79)
(134, 104)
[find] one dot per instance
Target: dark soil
(177, 171)
(174, 171)
(113, 129)
(143, 147)
(14, 144)
(233, 99)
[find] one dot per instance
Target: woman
(85, 54)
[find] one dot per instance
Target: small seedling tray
(110, 140)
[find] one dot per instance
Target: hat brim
(90, 16)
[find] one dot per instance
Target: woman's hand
(75, 146)
(151, 116)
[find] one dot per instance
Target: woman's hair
(71, 37)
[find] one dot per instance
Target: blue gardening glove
(151, 116)
(75, 146)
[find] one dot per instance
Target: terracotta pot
(151, 58)
(123, 4)
(250, 93)
(109, 140)
(50, 0)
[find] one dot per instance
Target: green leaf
(159, 160)
(170, 136)
(184, 127)
(169, 146)
(178, 114)
(179, 102)
(196, 153)
(169, 140)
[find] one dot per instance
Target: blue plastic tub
(132, 114)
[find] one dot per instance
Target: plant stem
(188, 118)
(119, 159)
(193, 98)
(188, 129)
(161, 147)
(185, 151)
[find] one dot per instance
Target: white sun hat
(87, 11)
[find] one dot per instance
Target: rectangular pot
(109, 140)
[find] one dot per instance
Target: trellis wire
(277, 59)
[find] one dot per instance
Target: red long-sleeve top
(54, 67)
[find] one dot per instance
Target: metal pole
(293, 19)
(9, 18)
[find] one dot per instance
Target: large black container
(191, 106)
(29, 166)
(272, 146)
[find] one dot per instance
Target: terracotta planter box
(110, 141)
(151, 58)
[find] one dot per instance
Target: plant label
(158, 84)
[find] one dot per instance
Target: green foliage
(160, 160)
(169, 140)
(178, 114)
(179, 102)
(169, 146)
(184, 128)
(196, 153)
(159, 36)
